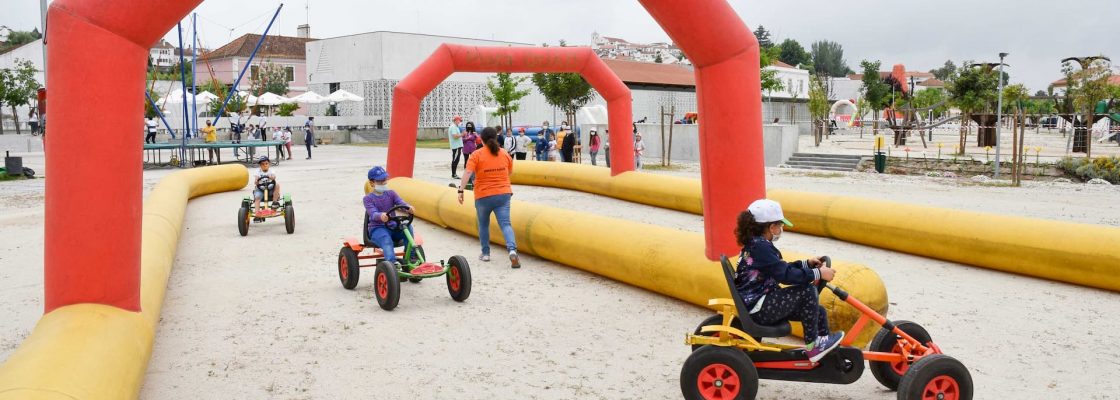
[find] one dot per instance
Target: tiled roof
(932, 82)
(652, 73)
(1113, 80)
(274, 46)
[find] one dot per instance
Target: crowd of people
(244, 127)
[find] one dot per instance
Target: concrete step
(844, 156)
(837, 169)
(831, 160)
(824, 163)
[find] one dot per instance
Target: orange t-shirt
(491, 172)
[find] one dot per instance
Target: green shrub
(1107, 168)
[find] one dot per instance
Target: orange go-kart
(729, 357)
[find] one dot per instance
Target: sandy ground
(264, 316)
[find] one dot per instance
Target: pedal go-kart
(414, 267)
(728, 357)
(269, 208)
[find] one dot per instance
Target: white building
(33, 52)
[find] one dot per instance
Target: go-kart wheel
(290, 219)
(458, 278)
(713, 320)
(890, 373)
(348, 269)
(243, 221)
(414, 259)
(386, 285)
(936, 377)
(717, 372)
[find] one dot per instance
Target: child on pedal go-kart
(378, 202)
(761, 270)
(266, 178)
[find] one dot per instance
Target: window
(290, 73)
(333, 87)
(254, 73)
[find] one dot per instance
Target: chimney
(303, 31)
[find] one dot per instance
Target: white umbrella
(175, 97)
(206, 97)
(342, 95)
(272, 99)
(309, 98)
(249, 99)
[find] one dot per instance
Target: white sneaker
(484, 258)
(514, 260)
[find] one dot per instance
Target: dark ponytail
(490, 138)
(746, 228)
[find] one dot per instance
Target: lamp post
(999, 111)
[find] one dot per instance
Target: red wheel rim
(343, 268)
(454, 275)
(382, 286)
(942, 388)
(899, 367)
(718, 381)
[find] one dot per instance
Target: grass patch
(5, 177)
(659, 167)
(420, 144)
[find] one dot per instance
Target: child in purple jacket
(378, 203)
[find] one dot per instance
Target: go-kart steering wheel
(264, 183)
(398, 222)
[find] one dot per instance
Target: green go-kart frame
(268, 209)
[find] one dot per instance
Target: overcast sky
(921, 35)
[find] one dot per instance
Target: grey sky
(921, 35)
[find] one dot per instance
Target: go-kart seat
(365, 233)
(754, 329)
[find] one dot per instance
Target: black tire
(243, 221)
(936, 376)
(412, 260)
(290, 219)
(720, 373)
(458, 278)
(386, 285)
(885, 342)
(713, 320)
(348, 270)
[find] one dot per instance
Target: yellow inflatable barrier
(1081, 254)
(660, 259)
(92, 351)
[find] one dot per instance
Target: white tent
(309, 98)
(205, 97)
(271, 99)
(341, 95)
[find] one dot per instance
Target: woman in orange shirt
(491, 169)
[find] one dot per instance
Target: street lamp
(999, 111)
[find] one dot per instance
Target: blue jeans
(384, 238)
(499, 205)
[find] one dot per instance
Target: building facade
(226, 62)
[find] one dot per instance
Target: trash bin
(13, 165)
(880, 162)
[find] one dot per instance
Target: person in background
(309, 134)
(210, 135)
(639, 149)
(568, 147)
(455, 142)
(286, 136)
(276, 134)
(541, 147)
(33, 121)
(470, 141)
(508, 142)
(522, 144)
(236, 127)
(501, 138)
(607, 147)
(560, 135)
(150, 126)
(554, 148)
(593, 142)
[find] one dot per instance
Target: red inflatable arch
(449, 58)
(94, 193)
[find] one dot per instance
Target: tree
(1087, 87)
(504, 92)
(769, 77)
(946, 72)
(1040, 93)
(763, 37)
(17, 87)
(818, 105)
(19, 38)
(828, 58)
(1015, 97)
(566, 91)
(875, 92)
(973, 90)
(930, 97)
(792, 53)
(287, 109)
(236, 104)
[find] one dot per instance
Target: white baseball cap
(766, 211)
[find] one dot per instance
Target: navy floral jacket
(761, 269)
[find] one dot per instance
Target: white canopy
(309, 98)
(176, 97)
(341, 95)
(249, 98)
(205, 97)
(271, 99)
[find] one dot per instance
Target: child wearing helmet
(265, 178)
(761, 270)
(378, 202)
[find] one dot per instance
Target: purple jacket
(380, 204)
(469, 142)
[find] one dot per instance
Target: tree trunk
(1088, 131)
(1022, 149)
(15, 118)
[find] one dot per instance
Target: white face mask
(380, 188)
(778, 235)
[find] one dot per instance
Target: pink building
(227, 61)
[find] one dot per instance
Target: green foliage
(818, 97)
(503, 90)
(828, 58)
(271, 78)
(1088, 85)
(19, 38)
(1107, 168)
(287, 109)
(946, 73)
(18, 86)
(875, 91)
(791, 52)
(566, 91)
(928, 98)
(172, 73)
(974, 89)
(236, 104)
(763, 37)
(769, 78)
(1015, 97)
(150, 111)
